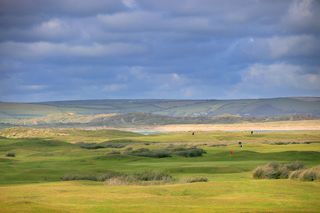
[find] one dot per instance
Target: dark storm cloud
(71, 49)
(59, 7)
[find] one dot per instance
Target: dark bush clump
(102, 177)
(196, 179)
(113, 152)
(149, 153)
(109, 175)
(276, 170)
(188, 152)
(295, 165)
(151, 175)
(78, 177)
(218, 145)
(110, 144)
(163, 153)
(288, 143)
(115, 145)
(91, 146)
(148, 175)
(311, 174)
(11, 154)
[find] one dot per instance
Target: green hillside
(126, 112)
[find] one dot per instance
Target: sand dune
(263, 126)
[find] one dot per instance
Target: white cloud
(302, 15)
(300, 9)
(291, 45)
(51, 26)
(132, 4)
(33, 87)
(55, 29)
(276, 47)
(280, 79)
(114, 87)
(141, 21)
(48, 49)
(188, 92)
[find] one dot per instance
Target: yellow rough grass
(226, 196)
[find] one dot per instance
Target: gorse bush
(11, 154)
(311, 174)
(117, 144)
(152, 175)
(147, 175)
(189, 152)
(149, 153)
(101, 177)
(294, 165)
(276, 170)
(287, 143)
(91, 146)
(196, 179)
(108, 175)
(113, 152)
(163, 153)
(70, 177)
(218, 145)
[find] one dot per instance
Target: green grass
(30, 182)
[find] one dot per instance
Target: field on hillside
(132, 113)
(31, 178)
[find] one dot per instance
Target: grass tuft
(311, 174)
(11, 154)
(196, 179)
(276, 170)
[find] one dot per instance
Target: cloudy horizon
(139, 49)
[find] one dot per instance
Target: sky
(170, 49)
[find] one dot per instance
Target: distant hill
(127, 112)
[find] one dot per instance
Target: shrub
(311, 174)
(112, 177)
(189, 152)
(11, 154)
(196, 179)
(306, 174)
(109, 144)
(218, 145)
(91, 146)
(129, 149)
(116, 145)
(296, 174)
(276, 170)
(70, 177)
(149, 153)
(116, 181)
(114, 152)
(295, 166)
(108, 175)
(151, 175)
